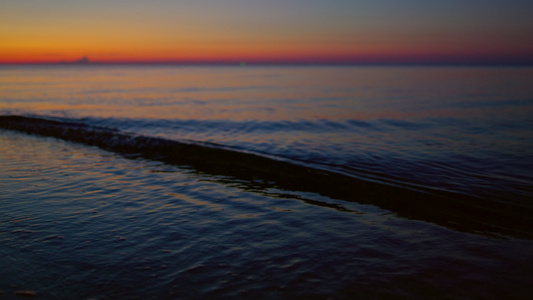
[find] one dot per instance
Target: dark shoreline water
(78, 222)
(453, 210)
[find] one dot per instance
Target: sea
(266, 182)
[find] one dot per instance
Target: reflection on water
(259, 93)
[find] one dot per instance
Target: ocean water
(269, 182)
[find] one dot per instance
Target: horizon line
(442, 60)
(276, 63)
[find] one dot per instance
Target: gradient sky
(266, 31)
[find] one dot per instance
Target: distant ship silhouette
(83, 60)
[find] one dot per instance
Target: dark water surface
(461, 129)
(341, 182)
(78, 222)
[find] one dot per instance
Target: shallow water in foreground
(78, 222)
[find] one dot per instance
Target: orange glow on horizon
(51, 31)
(255, 51)
(261, 53)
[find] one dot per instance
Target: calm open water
(80, 221)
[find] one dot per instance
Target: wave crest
(452, 210)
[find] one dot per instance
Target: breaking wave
(453, 210)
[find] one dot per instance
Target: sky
(273, 31)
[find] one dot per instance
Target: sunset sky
(278, 31)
